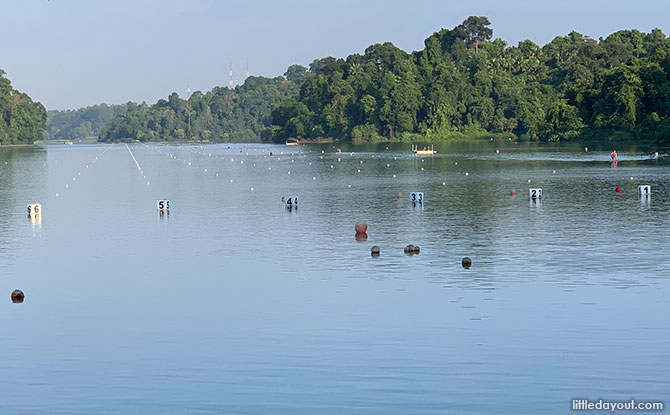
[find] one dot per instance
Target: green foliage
(222, 114)
(296, 73)
(463, 83)
(474, 30)
(81, 123)
(21, 120)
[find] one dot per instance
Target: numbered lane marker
(644, 190)
(535, 193)
(163, 205)
(416, 197)
(34, 209)
(291, 201)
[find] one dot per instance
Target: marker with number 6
(34, 209)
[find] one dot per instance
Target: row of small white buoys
(195, 165)
(535, 194)
(162, 205)
(137, 164)
(189, 162)
(86, 167)
(35, 210)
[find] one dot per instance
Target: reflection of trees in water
(22, 180)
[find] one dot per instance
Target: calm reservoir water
(234, 305)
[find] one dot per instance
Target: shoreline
(18, 145)
(594, 142)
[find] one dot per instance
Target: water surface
(232, 304)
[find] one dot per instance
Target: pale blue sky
(72, 53)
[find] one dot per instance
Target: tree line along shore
(463, 84)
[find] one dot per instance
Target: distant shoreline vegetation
(21, 120)
(222, 114)
(462, 85)
(82, 123)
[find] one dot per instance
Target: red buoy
(361, 237)
(361, 227)
(618, 189)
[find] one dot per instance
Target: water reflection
(261, 308)
(35, 220)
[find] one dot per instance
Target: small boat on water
(425, 151)
(292, 142)
(69, 143)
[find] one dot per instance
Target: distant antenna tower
(230, 82)
(188, 90)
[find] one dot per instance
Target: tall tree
(475, 29)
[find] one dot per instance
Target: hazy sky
(73, 53)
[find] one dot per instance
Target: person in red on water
(614, 155)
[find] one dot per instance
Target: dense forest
(21, 119)
(465, 84)
(81, 123)
(221, 114)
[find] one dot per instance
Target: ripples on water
(231, 304)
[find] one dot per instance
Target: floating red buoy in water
(618, 189)
(339, 150)
(361, 237)
(398, 196)
(361, 227)
(512, 192)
